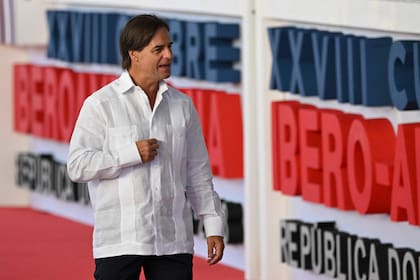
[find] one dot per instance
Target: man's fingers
(210, 250)
(153, 145)
(215, 247)
(153, 141)
(215, 256)
(148, 149)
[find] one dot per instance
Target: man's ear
(133, 56)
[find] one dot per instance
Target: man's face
(154, 61)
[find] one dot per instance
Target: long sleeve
(88, 159)
(204, 200)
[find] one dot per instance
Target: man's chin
(166, 75)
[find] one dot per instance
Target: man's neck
(148, 86)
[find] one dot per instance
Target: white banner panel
(205, 7)
(390, 15)
(29, 21)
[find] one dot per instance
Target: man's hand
(148, 149)
(215, 247)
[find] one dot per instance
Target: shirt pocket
(121, 136)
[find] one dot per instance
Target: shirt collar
(163, 87)
(124, 83)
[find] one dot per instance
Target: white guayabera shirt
(141, 208)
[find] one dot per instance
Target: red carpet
(36, 245)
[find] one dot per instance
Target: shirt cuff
(129, 155)
(213, 226)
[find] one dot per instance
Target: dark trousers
(128, 267)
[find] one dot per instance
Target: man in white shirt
(138, 143)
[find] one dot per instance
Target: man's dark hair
(137, 34)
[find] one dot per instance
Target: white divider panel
(398, 19)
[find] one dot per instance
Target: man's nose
(168, 53)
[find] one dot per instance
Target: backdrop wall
(266, 208)
(10, 194)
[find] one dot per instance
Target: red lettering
(404, 191)
(275, 145)
(225, 136)
(310, 154)
(105, 79)
(50, 103)
(335, 128)
(83, 90)
(66, 105)
(48, 100)
(202, 101)
(37, 100)
(417, 144)
(285, 147)
(364, 166)
(369, 196)
(22, 109)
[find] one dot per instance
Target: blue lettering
(219, 53)
(63, 35)
(373, 64)
(53, 34)
(353, 70)
(324, 59)
(87, 44)
(303, 78)
(416, 72)
(76, 24)
(282, 63)
(400, 69)
(296, 80)
(109, 50)
(341, 72)
(195, 50)
(177, 30)
(120, 23)
(95, 38)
